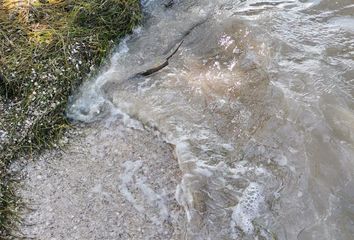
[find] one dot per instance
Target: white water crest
(258, 102)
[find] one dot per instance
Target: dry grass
(47, 48)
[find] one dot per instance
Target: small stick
(169, 4)
(163, 65)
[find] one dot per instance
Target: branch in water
(163, 65)
(169, 4)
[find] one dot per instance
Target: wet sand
(110, 182)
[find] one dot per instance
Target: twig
(161, 66)
(165, 63)
(169, 4)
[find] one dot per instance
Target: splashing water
(258, 102)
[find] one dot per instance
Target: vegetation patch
(47, 48)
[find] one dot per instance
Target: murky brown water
(258, 101)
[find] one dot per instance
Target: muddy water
(258, 102)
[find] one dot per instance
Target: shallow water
(258, 102)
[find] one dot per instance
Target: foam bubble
(248, 209)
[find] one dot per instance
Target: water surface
(258, 102)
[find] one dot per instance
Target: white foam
(140, 194)
(153, 199)
(184, 153)
(248, 209)
(126, 179)
(184, 195)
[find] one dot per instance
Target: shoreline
(47, 50)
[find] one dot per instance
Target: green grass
(46, 50)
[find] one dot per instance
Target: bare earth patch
(111, 182)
